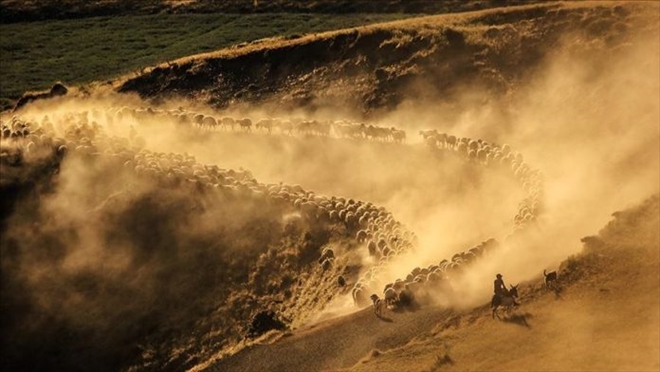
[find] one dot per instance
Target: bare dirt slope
(337, 343)
(426, 60)
(604, 316)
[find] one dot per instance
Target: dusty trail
(367, 224)
(337, 343)
(381, 236)
(605, 317)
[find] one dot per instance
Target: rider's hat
(499, 275)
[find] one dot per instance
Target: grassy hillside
(429, 58)
(30, 10)
(34, 55)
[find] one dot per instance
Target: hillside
(426, 60)
(588, 323)
(34, 55)
(238, 209)
(22, 11)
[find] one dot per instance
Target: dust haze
(101, 249)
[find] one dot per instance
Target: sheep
(351, 221)
(265, 124)
(62, 150)
(398, 136)
(358, 294)
(378, 304)
(406, 296)
(433, 276)
(228, 122)
(391, 297)
(431, 142)
(309, 209)
(57, 90)
(198, 119)
(327, 263)
(287, 127)
(246, 124)
(322, 214)
(361, 236)
(428, 133)
(481, 155)
(327, 252)
(462, 148)
(372, 247)
(209, 122)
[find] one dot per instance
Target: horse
(507, 301)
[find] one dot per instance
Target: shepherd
(500, 291)
(499, 286)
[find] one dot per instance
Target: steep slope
(426, 59)
(124, 252)
(117, 257)
(605, 315)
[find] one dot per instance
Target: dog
(550, 278)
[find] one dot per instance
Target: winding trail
(373, 228)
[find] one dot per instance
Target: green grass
(33, 55)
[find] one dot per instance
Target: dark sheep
(57, 90)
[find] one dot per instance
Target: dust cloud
(589, 119)
(92, 249)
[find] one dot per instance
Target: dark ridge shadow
(518, 319)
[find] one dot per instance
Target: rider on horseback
(500, 288)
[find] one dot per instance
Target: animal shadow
(519, 319)
(557, 290)
(384, 318)
(410, 307)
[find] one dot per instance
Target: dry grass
(606, 317)
(78, 51)
(428, 57)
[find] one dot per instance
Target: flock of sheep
(290, 127)
(373, 228)
(403, 290)
(490, 154)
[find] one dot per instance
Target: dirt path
(607, 320)
(339, 343)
